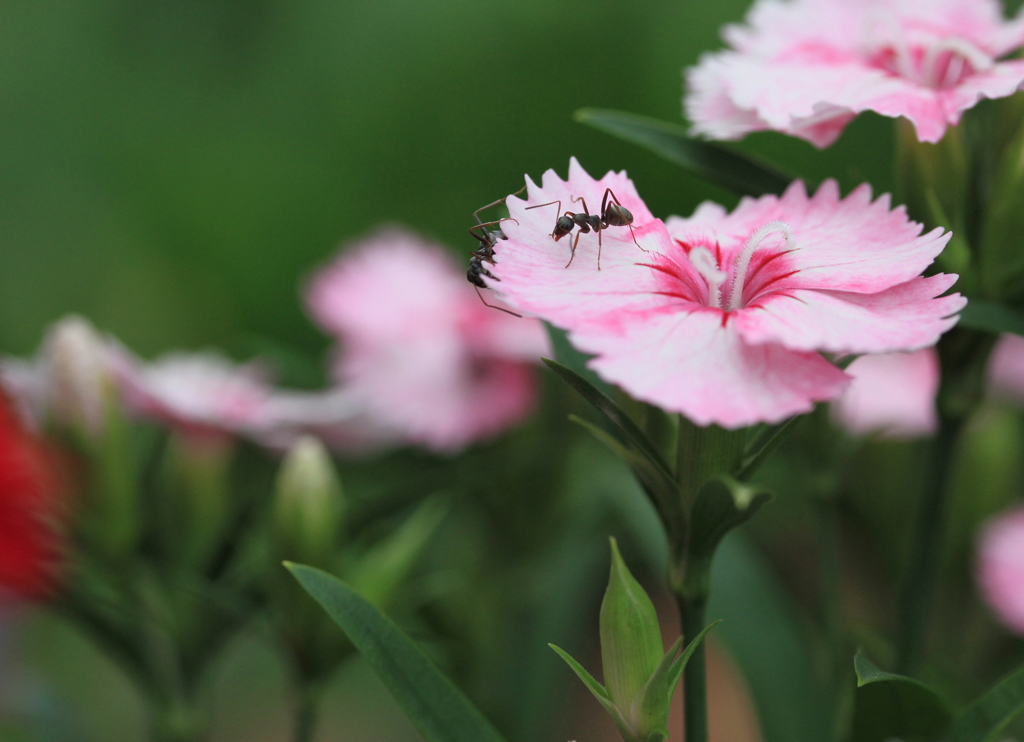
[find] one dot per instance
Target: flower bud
(80, 385)
(308, 508)
(630, 634)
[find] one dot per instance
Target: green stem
(695, 692)
(306, 715)
(926, 551)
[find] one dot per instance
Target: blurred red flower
(29, 504)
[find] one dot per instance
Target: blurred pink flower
(892, 394)
(1006, 369)
(807, 67)
(721, 316)
(420, 353)
(1000, 567)
(200, 393)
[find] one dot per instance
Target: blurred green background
(173, 170)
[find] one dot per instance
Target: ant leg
(493, 204)
(572, 253)
(540, 206)
(582, 201)
(500, 309)
(634, 237)
(599, 249)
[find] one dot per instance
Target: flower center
(704, 262)
(939, 65)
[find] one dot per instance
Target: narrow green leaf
(569, 356)
(581, 672)
(763, 445)
(739, 172)
(994, 318)
(986, 717)
(680, 663)
(434, 705)
(764, 633)
(613, 413)
(658, 487)
(594, 687)
(889, 706)
(721, 505)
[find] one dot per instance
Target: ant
(613, 214)
(488, 239)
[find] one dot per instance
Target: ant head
(563, 227)
(617, 216)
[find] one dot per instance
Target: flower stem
(306, 715)
(695, 701)
(926, 554)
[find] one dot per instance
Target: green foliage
(992, 318)
(730, 168)
(987, 716)
(889, 706)
(435, 706)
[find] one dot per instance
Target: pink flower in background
(722, 316)
(420, 354)
(201, 393)
(1006, 369)
(808, 67)
(892, 394)
(1000, 567)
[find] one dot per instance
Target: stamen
(962, 51)
(743, 259)
(705, 264)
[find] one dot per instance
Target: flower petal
(695, 365)
(905, 317)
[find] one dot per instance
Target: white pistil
(743, 259)
(705, 264)
(962, 51)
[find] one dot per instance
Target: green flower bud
(631, 645)
(641, 678)
(308, 508)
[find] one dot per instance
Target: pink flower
(1006, 369)
(722, 316)
(200, 393)
(807, 67)
(892, 394)
(420, 352)
(1000, 567)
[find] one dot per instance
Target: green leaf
(676, 672)
(739, 172)
(994, 318)
(765, 635)
(569, 356)
(434, 705)
(889, 706)
(721, 505)
(763, 445)
(661, 489)
(613, 413)
(596, 689)
(987, 716)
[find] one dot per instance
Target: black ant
(613, 214)
(488, 239)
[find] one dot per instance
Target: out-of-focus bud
(640, 677)
(308, 508)
(81, 388)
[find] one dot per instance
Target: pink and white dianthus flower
(892, 394)
(201, 393)
(723, 316)
(1000, 567)
(420, 353)
(808, 67)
